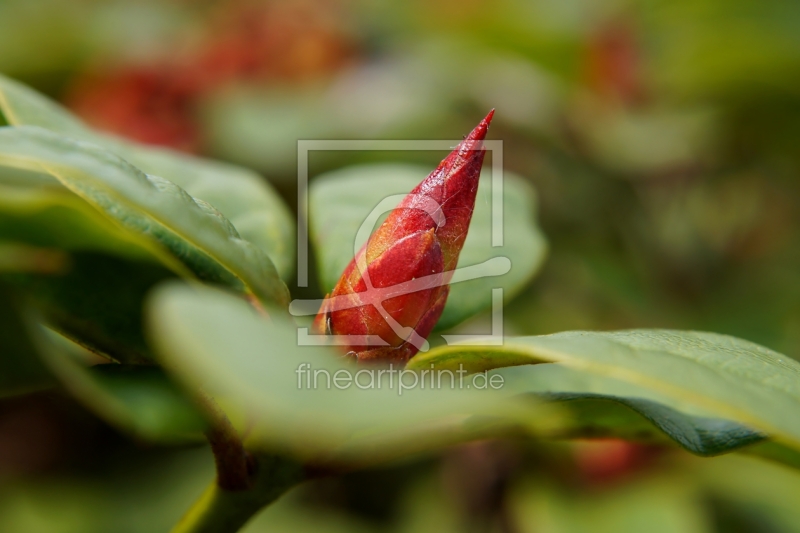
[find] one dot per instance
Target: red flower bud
(393, 292)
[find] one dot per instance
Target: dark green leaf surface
(193, 231)
(246, 199)
(606, 407)
(21, 371)
(140, 400)
(699, 374)
(340, 202)
(97, 301)
(97, 297)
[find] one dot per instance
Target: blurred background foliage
(661, 137)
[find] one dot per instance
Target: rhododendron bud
(394, 290)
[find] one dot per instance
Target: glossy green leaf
(37, 210)
(339, 202)
(191, 229)
(700, 373)
(140, 400)
(246, 199)
(606, 407)
(210, 338)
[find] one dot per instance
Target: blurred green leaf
(204, 336)
(242, 196)
(191, 229)
(140, 400)
(713, 374)
(21, 370)
(112, 499)
(646, 143)
(427, 507)
(340, 201)
(663, 504)
(97, 302)
(761, 491)
(97, 297)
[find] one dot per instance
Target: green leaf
(666, 502)
(96, 297)
(602, 406)
(97, 302)
(754, 488)
(340, 202)
(246, 199)
(21, 371)
(210, 338)
(192, 230)
(140, 400)
(706, 373)
(37, 210)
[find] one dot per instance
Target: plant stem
(233, 463)
(244, 484)
(224, 511)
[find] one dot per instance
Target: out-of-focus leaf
(97, 302)
(21, 370)
(247, 200)
(204, 336)
(191, 229)
(260, 128)
(140, 400)
(427, 507)
(111, 499)
(606, 407)
(97, 297)
(660, 504)
(646, 143)
(289, 514)
(54, 507)
(762, 491)
(717, 375)
(341, 201)
(736, 48)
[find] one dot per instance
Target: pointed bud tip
(479, 133)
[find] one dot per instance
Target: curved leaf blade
(707, 373)
(204, 336)
(97, 297)
(140, 400)
(190, 229)
(51, 216)
(603, 406)
(246, 199)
